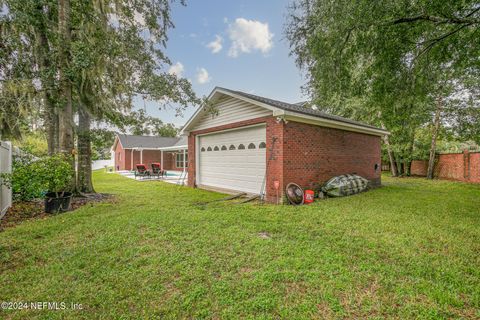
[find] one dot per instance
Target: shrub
(57, 173)
(31, 178)
(25, 179)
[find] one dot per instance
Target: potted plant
(57, 174)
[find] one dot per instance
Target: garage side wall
(314, 154)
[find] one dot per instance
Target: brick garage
(298, 148)
(453, 166)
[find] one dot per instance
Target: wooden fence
(5, 167)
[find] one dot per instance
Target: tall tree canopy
(386, 63)
(86, 57)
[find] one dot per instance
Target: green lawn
(408, 250)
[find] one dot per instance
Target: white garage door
(233, 159)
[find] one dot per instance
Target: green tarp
(345, 185)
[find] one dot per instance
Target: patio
(171, 176)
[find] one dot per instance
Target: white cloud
(249, 35)
(203, 76)
(216, 45)
(177, 69)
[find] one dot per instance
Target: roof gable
(228, 110)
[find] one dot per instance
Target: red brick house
(130, 150)
(251, 144)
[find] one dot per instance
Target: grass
(407, 250)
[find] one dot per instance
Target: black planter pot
(57, 205)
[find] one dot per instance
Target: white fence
(5, 167)
(100, 164)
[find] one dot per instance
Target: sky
(233, 44)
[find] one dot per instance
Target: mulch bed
(27, 210)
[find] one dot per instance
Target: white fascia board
(298, 117)
(183, 147)
(162, 148)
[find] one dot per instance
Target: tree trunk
(408, 162)
(436, 127)
(47, 80)
(65, 118)
(391, 158)
(399, 167)
(84, 160)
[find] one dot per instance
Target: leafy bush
(25, 179)
(57, 173)
(35, 143)
(31, 178)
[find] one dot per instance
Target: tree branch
(433, 42)
(435, 19)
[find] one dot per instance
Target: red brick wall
(124, 162)
(419, 168)
(313, 154)
(275, 160)
(191, 158)
(119, 157)
(453, 166)
(474, 167)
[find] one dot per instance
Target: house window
(119, 156)
(224, 148)
(209, 149)
(179, 160)
(262, 145)
(251, 146)
(216, 148)
(241, 147)
(232, 147)
(203, 149)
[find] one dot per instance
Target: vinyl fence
(5, 167)
(100, 164)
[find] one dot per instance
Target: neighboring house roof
(182, 141)
(148, 142)
(295, 111)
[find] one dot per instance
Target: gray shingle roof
(182, 141)
(131, 141)
(299, 108)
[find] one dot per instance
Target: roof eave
(300, 117)
(173, 148)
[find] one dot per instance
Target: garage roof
(299, 107)
(291, 111)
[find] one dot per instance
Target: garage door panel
(239, 169)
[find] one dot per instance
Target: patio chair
(157, 170)
(141, 171)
